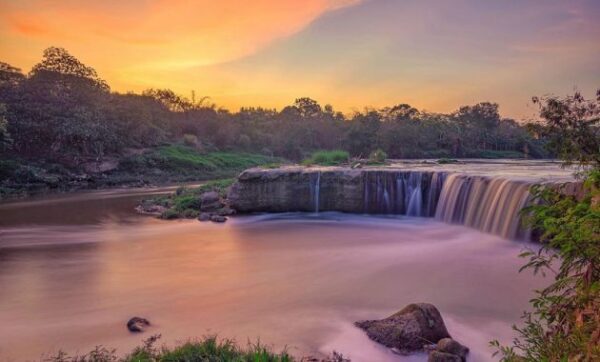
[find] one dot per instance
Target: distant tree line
(63, 111)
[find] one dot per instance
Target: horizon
(352, 54)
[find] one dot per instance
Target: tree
(572, 126)
(5, 139)
(9, 75)
(307, 107)
(565, 322)
(58, 63)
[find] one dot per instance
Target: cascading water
(489, 204)
(317, 191)
(414, 194)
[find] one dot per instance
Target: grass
(207, 349)
(327, 158)
(179, 157)
(185, 201)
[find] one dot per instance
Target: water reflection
(296, 280)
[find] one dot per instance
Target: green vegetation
(565, 322)
(185, 202)
(327, 158)
(205, 349)
(182, 159)
(377, 157)
(444, 161)
(62, 113)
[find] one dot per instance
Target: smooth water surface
(74, 269)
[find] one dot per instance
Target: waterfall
(490, 205)
(317, 191)
(414, 194)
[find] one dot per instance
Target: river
(74, 268)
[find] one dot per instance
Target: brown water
(74, 269)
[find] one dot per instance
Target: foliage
(327, 158)
(565, 322)
(184, 159)
(185, 201)
(377, 157)
(572, 125)
(63, 112)
(209, 348)
(5, 139)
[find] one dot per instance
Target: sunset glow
(348, 53)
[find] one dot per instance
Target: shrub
(187, 202)
(443, 161)
(327, 158)
(190, 213)
(169, 214)
(377, 157)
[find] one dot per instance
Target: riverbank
(163, 165)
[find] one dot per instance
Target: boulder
(138, 324)
(409, 330)
(437, 356)
(150, 209)
(218, 218)
(210, 201)
(225, 211)
(448, 345)
(204, 216)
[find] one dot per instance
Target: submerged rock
(138, 324)
(409, 330)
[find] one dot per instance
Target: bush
(169, 214)
(443, 161)
(187, 202)
(377, 157)
(327, 158)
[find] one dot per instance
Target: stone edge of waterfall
(490, 204)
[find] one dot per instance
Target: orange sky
(349, 53)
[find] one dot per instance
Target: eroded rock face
(409, 330)
(330, 189)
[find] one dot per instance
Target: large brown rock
(408, 330)
(448, 345)
(437, 356)
(210, 201)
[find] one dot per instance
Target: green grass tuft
(327, 158)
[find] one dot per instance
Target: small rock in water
(409, 330)
(437, 356)
(137, 324)
(448, 345)
(218, 218)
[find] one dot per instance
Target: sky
(435, 55)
